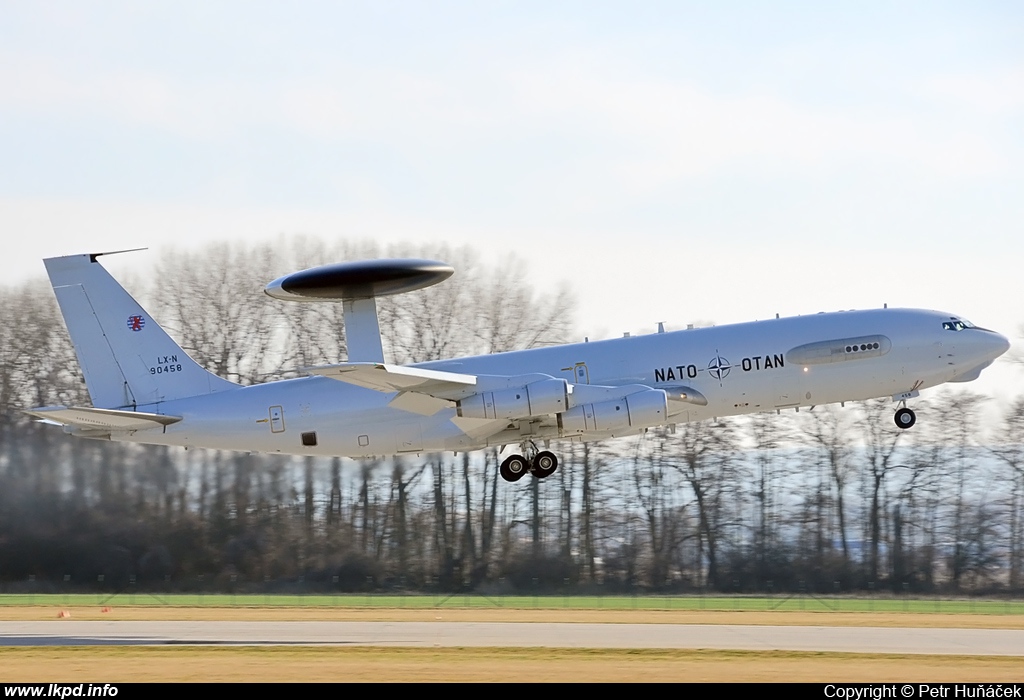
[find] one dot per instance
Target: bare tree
(955, 417)
(213, 300)
(704, 454)
(1009, 450)
(654, 489)
(511, 315)
(433, 323)
(829, 432)
(881, 438)
(586, 459)
(767, 433)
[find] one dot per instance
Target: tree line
(832, 499)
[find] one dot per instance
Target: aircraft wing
(427, 391)
(105, 420)
(391, 378)
(423, 391)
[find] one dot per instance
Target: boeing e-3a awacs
(146, 389)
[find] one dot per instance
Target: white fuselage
(742, 368)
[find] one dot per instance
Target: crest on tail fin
(127, 359)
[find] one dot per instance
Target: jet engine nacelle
(642, 409)
(538, 398)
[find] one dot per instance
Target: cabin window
(309, 439)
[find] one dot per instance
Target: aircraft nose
(986, 345)
(999, 344)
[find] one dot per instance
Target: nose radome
(1000, 344)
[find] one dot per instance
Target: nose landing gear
(541, 465)
(905, 418)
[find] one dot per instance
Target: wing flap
(423, 404)
(480, 428)
(81, 418)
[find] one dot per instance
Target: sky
(671, 161)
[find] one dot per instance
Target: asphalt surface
(885, 640)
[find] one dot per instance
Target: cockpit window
(957, 324)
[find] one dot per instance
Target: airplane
(145, 389)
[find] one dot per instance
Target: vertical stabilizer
(128, 360)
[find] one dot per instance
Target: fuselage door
(579, 374)
(276, 419)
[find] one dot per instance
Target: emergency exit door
(580, 373)
(276, 419)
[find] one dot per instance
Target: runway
(884, 640)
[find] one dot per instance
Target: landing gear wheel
(544, 465)
(514, 468)
(905, 418)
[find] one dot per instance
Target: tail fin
(128, 360)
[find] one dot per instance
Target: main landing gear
(905, 418)
(542, 465)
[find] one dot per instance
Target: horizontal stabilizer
(395, 378)
(100, 419)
